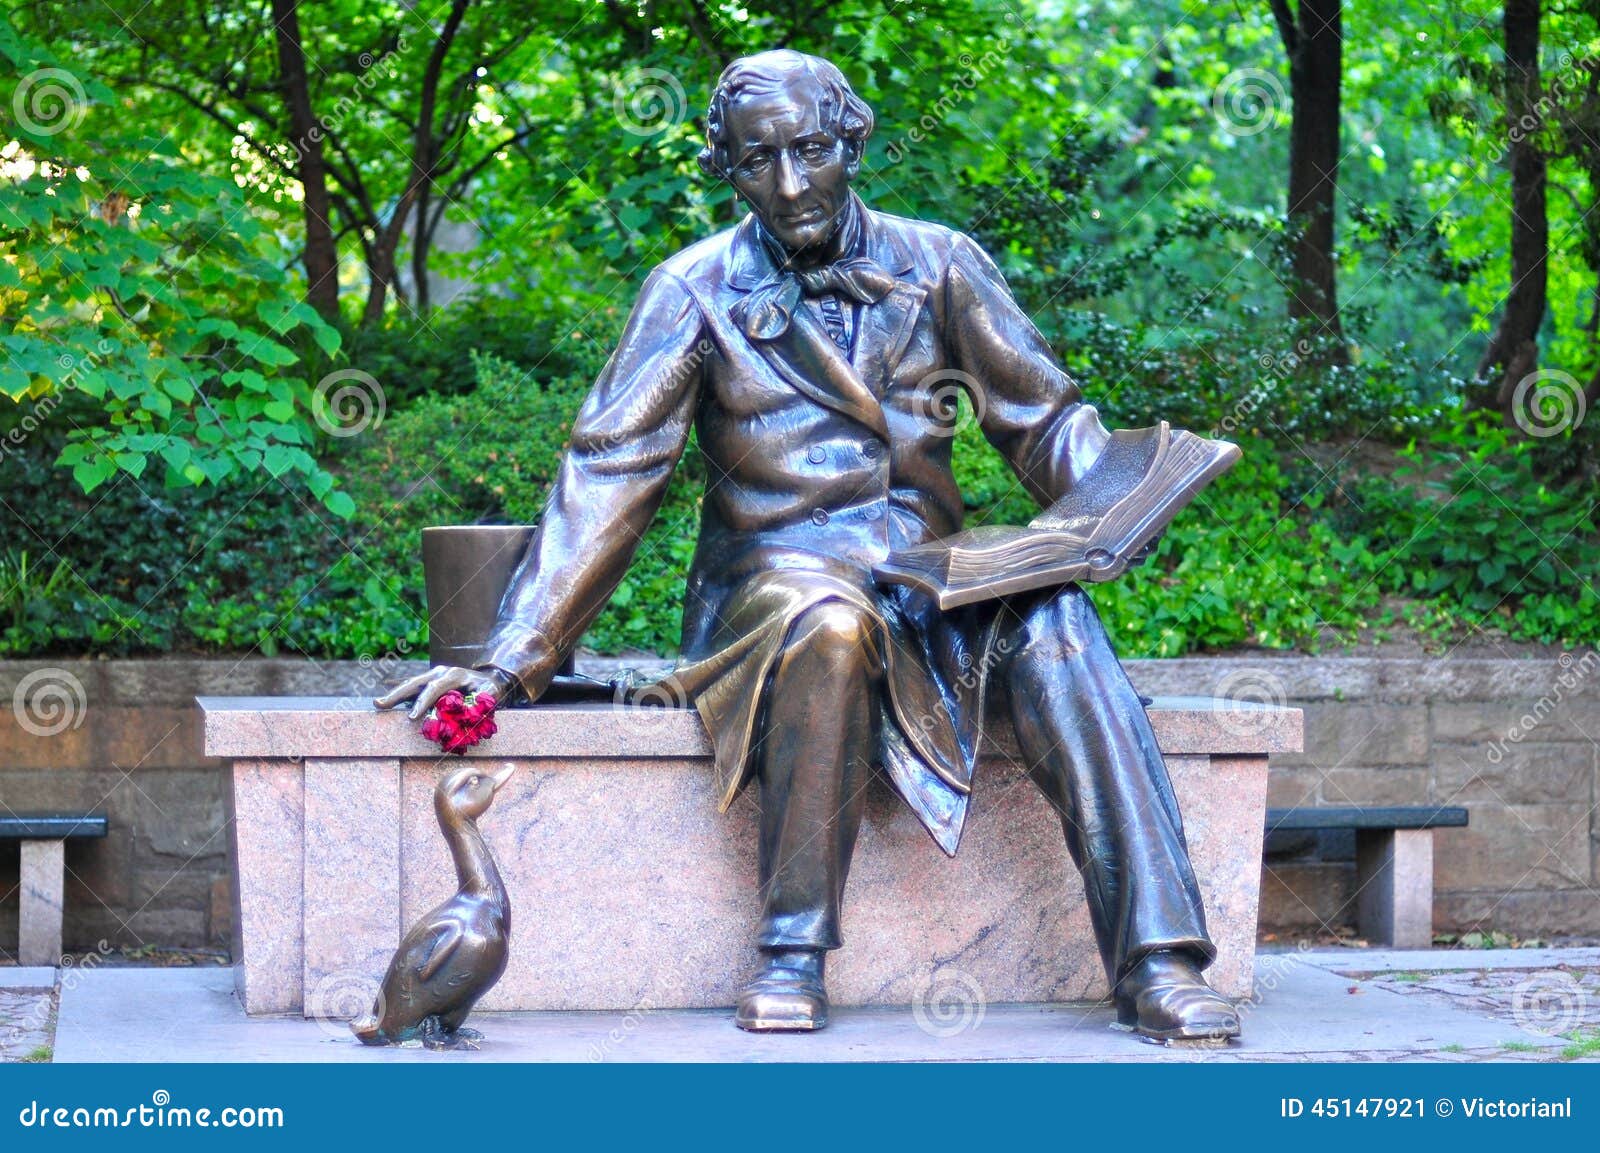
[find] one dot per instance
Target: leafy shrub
(489, 457)
(1278, 552)
(412, 358)
(1475, 524)
(138, 568)
(201, 369)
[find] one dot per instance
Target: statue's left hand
(428, 687)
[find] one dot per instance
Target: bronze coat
(819, 463)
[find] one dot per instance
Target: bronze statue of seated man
(812, 348)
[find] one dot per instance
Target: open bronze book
(1141, 480)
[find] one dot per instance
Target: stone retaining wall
(1514, 741)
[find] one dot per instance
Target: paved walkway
(1335, 1005)
(27, 1013)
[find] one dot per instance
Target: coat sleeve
(1027, 405)
(626, 440)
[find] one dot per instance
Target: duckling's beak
(503, 775)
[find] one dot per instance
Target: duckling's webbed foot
(435, 1035)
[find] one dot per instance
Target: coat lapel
(806, 357)
(885, 327)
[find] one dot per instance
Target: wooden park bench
(43, 875)
(1394, 864)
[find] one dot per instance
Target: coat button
(816, 455)
(870, 449)
(819, 516)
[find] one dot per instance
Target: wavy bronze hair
(842, 110)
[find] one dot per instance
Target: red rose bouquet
(458, 722)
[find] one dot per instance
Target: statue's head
(786, 130)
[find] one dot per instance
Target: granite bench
(630, 890)
(1394, 863)
(44, 838)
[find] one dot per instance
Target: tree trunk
(321, 256)
(380, 255)
(380, 274)
(1513, 350)
(420, 230)
(1314, 38)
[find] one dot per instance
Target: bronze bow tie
(772, 303)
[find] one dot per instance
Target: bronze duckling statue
(455, 954)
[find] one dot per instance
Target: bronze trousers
(1083, 735)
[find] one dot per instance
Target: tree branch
(1288, 28)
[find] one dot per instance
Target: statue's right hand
(428, 687)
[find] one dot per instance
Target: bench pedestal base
(39, 915)
(1394, 885)
(630, 891)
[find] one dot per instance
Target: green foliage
(247, 564)
(489, 457)
(28, 594)
(149, 287)
(412, 358)
(1474, 522)
(152, 324)
(1249, 565)
(1581, 1044)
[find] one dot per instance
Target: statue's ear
(852, 157)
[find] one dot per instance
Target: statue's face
(792, 170)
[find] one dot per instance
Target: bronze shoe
(788, 996)
(1165, 998)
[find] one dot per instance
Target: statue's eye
(812, 151)
(474, 781)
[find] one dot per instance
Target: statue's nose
(791, 181)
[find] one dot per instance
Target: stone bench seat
(44, 838)
(629, 890)
(1394, 863)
